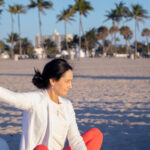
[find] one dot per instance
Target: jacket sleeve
(19, 100)
(75, 140)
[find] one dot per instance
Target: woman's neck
(52, 95)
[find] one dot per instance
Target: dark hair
(53, 69)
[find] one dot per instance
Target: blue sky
(30, 26)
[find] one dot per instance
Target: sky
(94, 19)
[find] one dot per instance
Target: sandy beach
(112, 94)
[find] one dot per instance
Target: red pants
(93, 139)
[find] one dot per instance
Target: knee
(96, 133)
(40, 147)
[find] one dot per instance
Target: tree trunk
(126, 46)
(19, 28)
(65, 27)
(86, 43)
(68, 49)
(41, 38)
(115, 42)
(129, 47)
(135, 38)
(103, 47)
(80, 36)
(147, 45)
(111, 43)
(12, 36)
(40, 27)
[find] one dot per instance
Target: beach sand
(112, 94)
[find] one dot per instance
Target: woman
(49, 119)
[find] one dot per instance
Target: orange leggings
(93, 139)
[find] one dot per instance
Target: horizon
(50, 25)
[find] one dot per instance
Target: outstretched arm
(18, 100)
(75, 140)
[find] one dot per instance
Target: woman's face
(62, 86)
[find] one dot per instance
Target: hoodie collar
(46, 93)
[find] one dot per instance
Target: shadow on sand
(113, 77)
(87, 77)
(130, 132)
(122, 130)
(13, 139)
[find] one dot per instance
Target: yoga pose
(48, 118)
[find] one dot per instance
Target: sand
(112, 94)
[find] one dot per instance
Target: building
(55, 37)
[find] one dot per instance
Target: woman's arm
(18, 100)
(75, 140)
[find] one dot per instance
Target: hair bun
(38, 80)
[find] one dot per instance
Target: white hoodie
(35, 116)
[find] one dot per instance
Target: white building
(40, 53)
(55, 37)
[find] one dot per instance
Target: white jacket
(35, 114)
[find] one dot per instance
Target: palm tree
(111, 15)
(83, 7)
(27, 47)
(113, 31)
(102, 35)
(116, 15)
(41, 5)
(127, 34)
(12, 11)
(138, 14)
(66, 16)
(91, 37)
(19, 9)
(50, 46)
(146, 33)
(2, 45)
(15, 37)
(121, 11)
(74, 42)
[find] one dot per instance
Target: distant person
(48, 119)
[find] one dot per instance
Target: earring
(52, 87)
